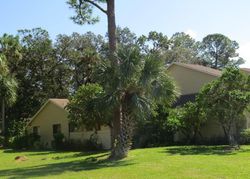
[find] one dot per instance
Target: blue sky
(196, 17)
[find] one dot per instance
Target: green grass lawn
(165, 162)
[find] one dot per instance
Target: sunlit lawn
(166, 162)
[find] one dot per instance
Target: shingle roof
(59, 102)
(200, 68)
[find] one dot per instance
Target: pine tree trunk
(112, 30)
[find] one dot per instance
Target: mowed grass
(166, 162)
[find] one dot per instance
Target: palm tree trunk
(123, 140)
(123, 137)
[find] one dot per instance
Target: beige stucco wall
(53, 114)
(212, 129)
(50, 115)
(189, 81)
(104, 136)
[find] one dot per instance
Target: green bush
(92, 143)
(1, 140)
(154, 132)
(245, 136)
(73, 145)
(25, 141)
(58, 142)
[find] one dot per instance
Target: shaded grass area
(164, 162)
(205, 150)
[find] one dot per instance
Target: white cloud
(244, 52)
(192, 33)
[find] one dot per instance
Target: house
(190, 78)
(52, 118)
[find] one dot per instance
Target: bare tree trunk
(111, 30)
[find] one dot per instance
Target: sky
(198, 18)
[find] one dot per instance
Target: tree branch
(94, 4)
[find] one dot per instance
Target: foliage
(93, 144)
(154, 42)
(245, 136)
(188, 120)
(83, 11)
(182, 48)
(58, 142)
(226, 99)
(1, 141)
(79, 55)
(26, 141)
(20, 139)
(17, 128)
(8, 87)
(84, 109)
(137, 84)
(154, 131)
(39, 73)
(8, 84)
(218, 51)
(11, 48)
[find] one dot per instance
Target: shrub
(18, 136)
(93, 143)
(1, 140)
(245, 136)
(155, 131)
(188, 120)
(58, 142)
(25, 141)
(73, 145)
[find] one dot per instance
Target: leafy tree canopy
(218, 51)
(226, 99)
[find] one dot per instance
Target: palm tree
(138, 83)
(8, 86)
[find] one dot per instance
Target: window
(36, 130)
(56, 128)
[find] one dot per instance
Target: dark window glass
(56, 128)
(36, 130)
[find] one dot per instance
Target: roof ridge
(200, 68)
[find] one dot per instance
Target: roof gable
(61, 103)
(199, 68)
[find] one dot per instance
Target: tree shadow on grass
(90, 163)
(45, 153)
(81, 154)
(37, 152)
(203, 150)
